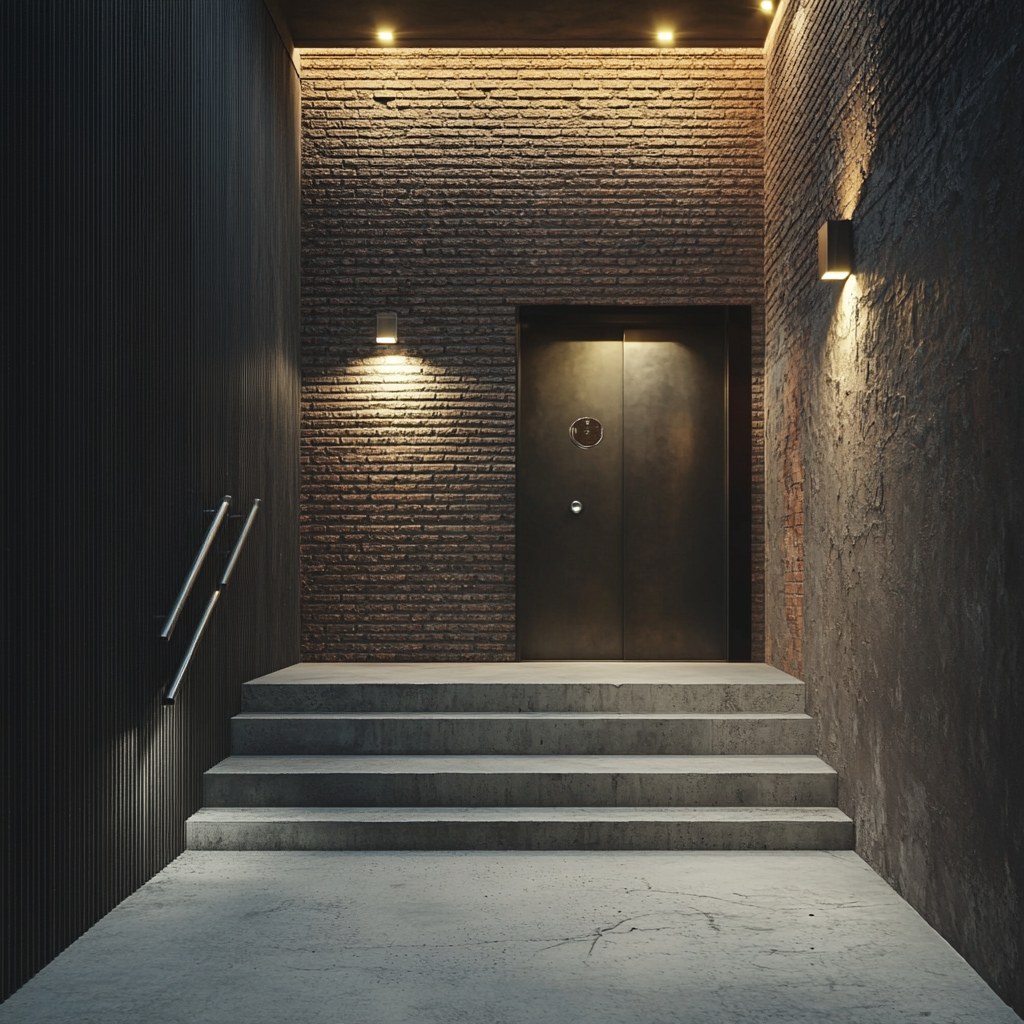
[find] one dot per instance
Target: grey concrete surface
(480, 756)
(711, 687)
(520, 733)
(519, 828)
(606, 938)
(525, 781)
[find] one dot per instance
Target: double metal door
(622, 521)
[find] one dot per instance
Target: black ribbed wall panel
(150, 223)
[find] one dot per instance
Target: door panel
(643, 571)
(569, 566)
(675, 600)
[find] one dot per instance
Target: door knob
(576, 507)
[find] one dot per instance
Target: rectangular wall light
(387, 328)
(835, 250)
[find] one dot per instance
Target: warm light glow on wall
(666, 36)
(843, 354)
(767, 6)
(386, 36)
(389, 374)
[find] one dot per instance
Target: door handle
(576, 507)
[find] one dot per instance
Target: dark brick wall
(452, 187)
(895, 439)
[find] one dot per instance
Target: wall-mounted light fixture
(767, 6)
(387, 328)
(386, 36)
(665, 37)
(835, 250)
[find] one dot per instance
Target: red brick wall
(451, 187)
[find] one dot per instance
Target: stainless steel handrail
(173, 688)
(193, 573)
(212, 603)
(230, 567)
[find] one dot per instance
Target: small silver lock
(576, 507)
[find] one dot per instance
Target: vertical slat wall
(150, 365)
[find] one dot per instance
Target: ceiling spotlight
(666, 36)
(386, 36)
(767, 6)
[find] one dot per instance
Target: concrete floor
(355, 938)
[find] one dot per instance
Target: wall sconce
(835, 250)
(387, 328)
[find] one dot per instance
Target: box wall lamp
(835, 250)
(387, 328)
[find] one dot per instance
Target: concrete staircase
(525, 756)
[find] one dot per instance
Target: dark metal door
(674, 535)
(640, 572)
(570, 564)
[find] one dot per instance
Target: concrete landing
(526, 686)
(537, 938)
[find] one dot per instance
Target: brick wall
(895, 439)
(451, 187)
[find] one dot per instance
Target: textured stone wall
(452, 187)
(895, 439)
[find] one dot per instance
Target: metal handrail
(193, 573)
(229, 568)
(173, 688)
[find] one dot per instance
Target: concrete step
(625, 687)
(526, 733)
(520, 828)
(521, 781)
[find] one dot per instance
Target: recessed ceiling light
(666, 36)
(385, 35)
(767, 6)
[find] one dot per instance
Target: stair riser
(497, 789)
(635, 698)
(482, 736)
(598, 835)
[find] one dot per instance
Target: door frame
(737, 339)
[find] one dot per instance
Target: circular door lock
(586, 432)
(576, 507)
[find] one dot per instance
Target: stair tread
(558, 673)
(342, 814)
(697, 716)
(490, 764)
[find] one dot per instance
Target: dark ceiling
(453, 23)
